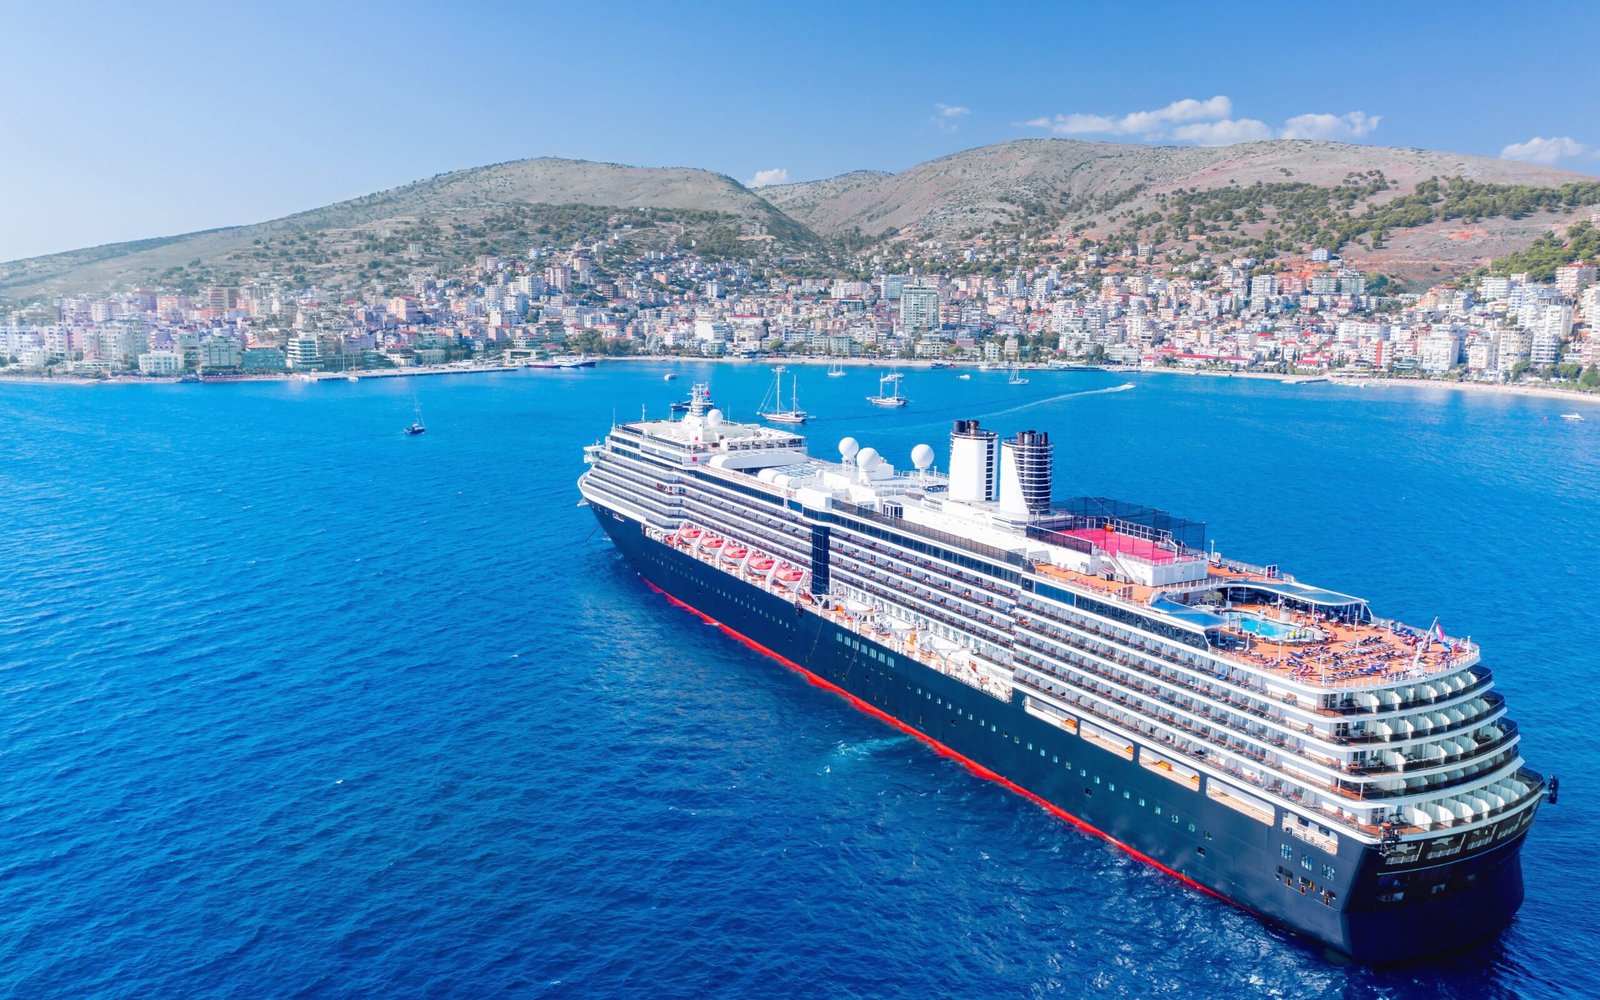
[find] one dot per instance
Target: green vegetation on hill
(384, 257)
(1541, 258)
(1273, 218)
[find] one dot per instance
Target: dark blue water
(291, 704)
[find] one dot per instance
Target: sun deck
(1351, 654)
(1331, 652)
(1120, 544)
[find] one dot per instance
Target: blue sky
(123, 121)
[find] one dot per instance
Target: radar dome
(848, 448)
(922, 457)
(868, 459)
(713, 418)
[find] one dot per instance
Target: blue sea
(292, 704)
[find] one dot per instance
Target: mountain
(1249, 198)
(443, 220)
(1378, 205)
(998, 185)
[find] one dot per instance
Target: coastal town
(1071, 301)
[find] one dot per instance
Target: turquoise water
(293, 704)
(1266, 629)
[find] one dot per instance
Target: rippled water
(291, 704)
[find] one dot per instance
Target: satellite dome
(922, 457)
(848, 448)
(713, 418)
(868, 459)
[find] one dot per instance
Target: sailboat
(888, 391)
(416, 424)
(772, 407)
(1017, 378)
(834, 371)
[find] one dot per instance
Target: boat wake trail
(1124, 387)
(868, 748)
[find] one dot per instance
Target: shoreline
(1302, 378)
(1380, 382)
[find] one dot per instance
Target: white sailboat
(888, 391)
(1017, 377)
(772, 407)
(834, 371)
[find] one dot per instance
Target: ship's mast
(699, 399)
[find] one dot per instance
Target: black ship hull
(1356, 901)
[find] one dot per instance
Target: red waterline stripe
(940, 748)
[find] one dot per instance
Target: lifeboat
(761, 562)
(689, 533)
(714, 543)
(735, 552)
(790, 575)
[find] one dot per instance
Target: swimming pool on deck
(1274, 631)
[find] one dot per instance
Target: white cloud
(1146, 123)
(1187, 110)
(1352, 125)
(1542, 150)
(1207, 123)
(945, 116)
(1224, 132)
(777, 175)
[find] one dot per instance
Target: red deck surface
(1120, 544)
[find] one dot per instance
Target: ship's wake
(867, 748)
(1124, 387)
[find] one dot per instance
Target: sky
(126, 121)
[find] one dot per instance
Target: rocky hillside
(440, 221)
(1378, 205)
(1018, 183)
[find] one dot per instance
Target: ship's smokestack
(973, 454)
(1025, 475)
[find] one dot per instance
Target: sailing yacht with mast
(888, 391)
(1017, 378)
(772, 407)
(834, 371)
(417, 426)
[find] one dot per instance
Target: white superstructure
(1106, 618)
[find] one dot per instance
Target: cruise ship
(1274, 743)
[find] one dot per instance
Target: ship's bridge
(705, 438)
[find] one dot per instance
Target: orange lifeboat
(714, 543)
(689, 533)
(761, 562)
(735, 552)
